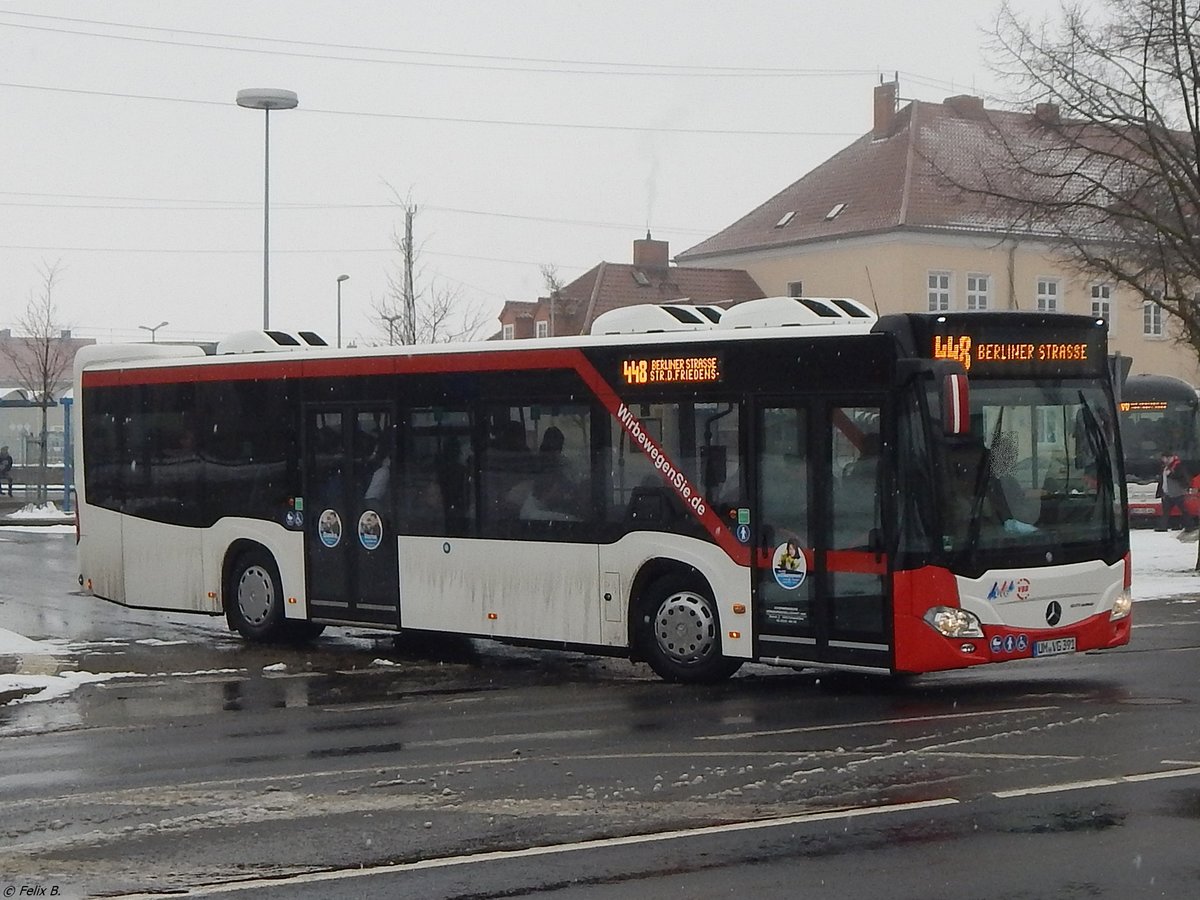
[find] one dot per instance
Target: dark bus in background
(1159, 414)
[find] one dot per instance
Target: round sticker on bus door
(789, 566)
(329, 528)
(370, 529)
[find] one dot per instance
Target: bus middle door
(350, 535)
(821, 586)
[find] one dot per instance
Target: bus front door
(821, 570)
(350, 538)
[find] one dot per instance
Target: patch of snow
(1163, 565)
(38, 511)
(13, 644)
(36, 529)
(276, 667)
(49, 687)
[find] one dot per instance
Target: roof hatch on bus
(774, 312)
(268, 342)
(645, 318)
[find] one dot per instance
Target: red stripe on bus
(416, 364)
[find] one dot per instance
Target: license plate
(1054, 646)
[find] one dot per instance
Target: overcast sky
(531, 132)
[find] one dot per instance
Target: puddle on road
(126, 682)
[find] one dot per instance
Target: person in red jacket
(1173, 485)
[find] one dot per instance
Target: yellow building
(881, 222)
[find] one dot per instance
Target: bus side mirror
(956, 404)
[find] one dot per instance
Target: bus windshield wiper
(982, 477)
(1096, 443)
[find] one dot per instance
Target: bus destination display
(671, 370)
(992, 353)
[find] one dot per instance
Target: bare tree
(554, 284)
(420, 310)
(41, 357)
(1106, 168)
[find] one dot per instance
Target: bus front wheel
(255, 607)
(681, 632)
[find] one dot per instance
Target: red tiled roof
(904, 179)
(615, 285)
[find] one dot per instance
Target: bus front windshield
(1038, 470)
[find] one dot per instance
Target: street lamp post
(267, 99)
(152, 329)
(391, 323)
(340, 279)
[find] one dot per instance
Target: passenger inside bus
(856, 499)
(1012, 504)
(551, 495)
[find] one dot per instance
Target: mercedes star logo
(1053, 613)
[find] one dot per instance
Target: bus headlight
(954, 622)
(1122, 606)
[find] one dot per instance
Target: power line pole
(410, 305)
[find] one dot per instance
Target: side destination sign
(644, 370)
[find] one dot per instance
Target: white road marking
(1098, 782)
(548, 850)
(873, 723)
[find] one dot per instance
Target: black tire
(680, 632)
(302, 632)
(254, 604)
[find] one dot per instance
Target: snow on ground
(1163, 566)
(38, 511)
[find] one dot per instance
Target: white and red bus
(1158, 414)
(798, 483)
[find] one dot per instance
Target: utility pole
(410, 305)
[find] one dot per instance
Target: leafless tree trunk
(417, 310)
(554, 286)
(41, 357)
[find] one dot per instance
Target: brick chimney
(1046, 113)
(965, 106)
(885, 109)
(651, 254)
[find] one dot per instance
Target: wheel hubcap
(685, 627)
(256, 594)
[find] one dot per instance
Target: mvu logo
(1001, 589)
(955, 348)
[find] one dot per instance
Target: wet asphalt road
(357, 768)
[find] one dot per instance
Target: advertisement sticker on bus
(789, 566)
(370, 530)
(329, 528)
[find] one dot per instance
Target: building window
(1102, 303)
(979, 291)
(543, 328)
(1047, 294)
(1152, 319)
(939, 291)
(508, 332)
(795, 288)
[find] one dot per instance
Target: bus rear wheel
(681, 632)
(255, 607)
